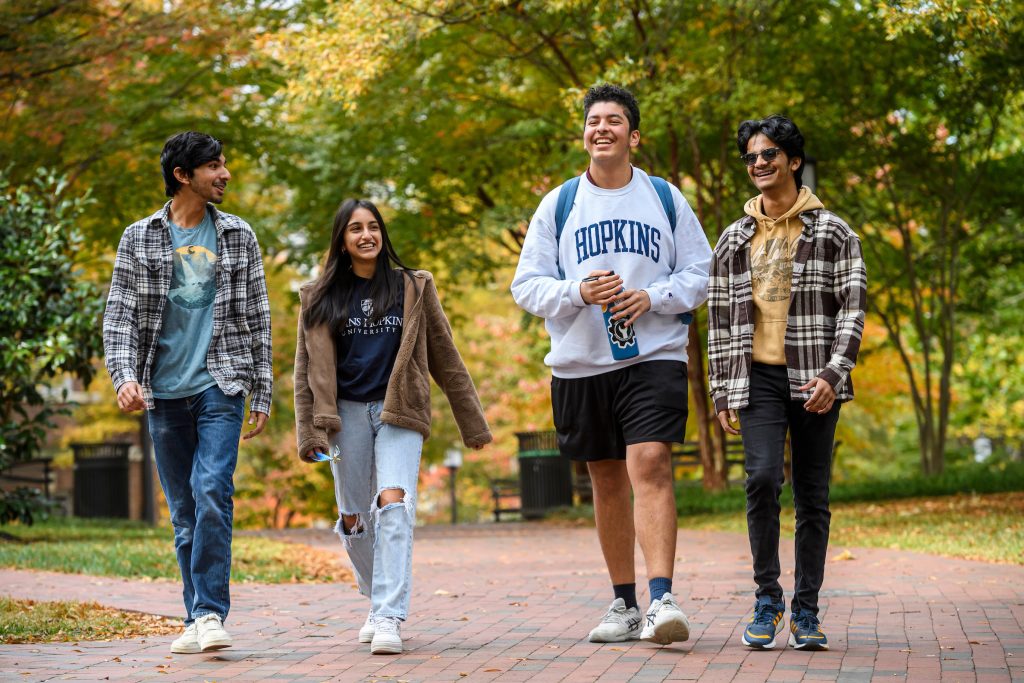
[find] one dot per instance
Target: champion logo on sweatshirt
(617, 236)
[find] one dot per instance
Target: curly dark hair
(606, 92)
(187, 151)
(782, 131)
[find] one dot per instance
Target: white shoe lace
(668, 601)
(208, 620)
(386, 625)
(616, 615)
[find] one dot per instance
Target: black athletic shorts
(597, 417)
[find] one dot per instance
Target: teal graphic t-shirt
(180, 366)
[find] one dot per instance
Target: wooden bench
(686, 457)
(502, 491)
(505, 493)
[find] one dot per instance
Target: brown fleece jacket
(426, 348)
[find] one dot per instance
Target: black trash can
(545, 477)
(101, 480)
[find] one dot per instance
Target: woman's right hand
(307, 456)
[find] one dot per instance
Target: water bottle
(621, 338)
(333, 455)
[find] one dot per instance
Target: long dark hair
(331, 297)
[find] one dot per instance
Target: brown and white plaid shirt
(240, 354)
(826, 310)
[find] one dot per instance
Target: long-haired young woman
(370, 332)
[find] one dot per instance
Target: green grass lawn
(987, 527)
(28, 621)
(133, 550)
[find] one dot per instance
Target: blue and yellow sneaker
(805, 632)
(765, 624)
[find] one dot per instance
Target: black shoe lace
(807, 622)
(764, 613)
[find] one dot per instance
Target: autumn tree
(461, 115)
(928, 166)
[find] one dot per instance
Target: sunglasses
(766, 154)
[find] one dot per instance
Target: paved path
(514, 602)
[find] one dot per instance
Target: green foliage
(985, 527)
(106, 547)
(274, 488)
(49, 320)
(93, 88)
(459, 117)
(966, 478)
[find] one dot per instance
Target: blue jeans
(195, 440)
(764, 424)
(376, 457)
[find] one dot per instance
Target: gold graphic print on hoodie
(771, 272)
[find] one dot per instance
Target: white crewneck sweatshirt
(625, 230)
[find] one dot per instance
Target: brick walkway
(514, 602)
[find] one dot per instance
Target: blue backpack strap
(566, 196)
(665, 194)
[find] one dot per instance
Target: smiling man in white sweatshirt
(616, 237)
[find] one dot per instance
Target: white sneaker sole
(668, 631)
(810, 647)
(758, 644)
(386, 647)
(366, 635)
(186, 649)
(216, 644)
(622, 638)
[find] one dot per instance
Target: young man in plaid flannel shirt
(786, 306)
(186, 333)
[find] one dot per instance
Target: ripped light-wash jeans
(376, 457)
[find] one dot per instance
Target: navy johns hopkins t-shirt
(366, 349)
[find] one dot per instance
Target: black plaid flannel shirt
(826, 310)
(240, 356)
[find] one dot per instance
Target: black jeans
(764, 423)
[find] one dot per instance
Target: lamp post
(453, 461)
(810, 176)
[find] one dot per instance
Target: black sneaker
(805, 632)
(765, 624)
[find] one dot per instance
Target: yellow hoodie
(771, 273)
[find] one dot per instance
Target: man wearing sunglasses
(786, 311)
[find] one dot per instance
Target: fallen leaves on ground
(30, 621)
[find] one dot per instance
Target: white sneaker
(188, 642)
(665, 622)
(620, 623)
(366, 632)
(212, 635)
(387, 639)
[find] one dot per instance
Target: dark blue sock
(626, 591)
(659, 586)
